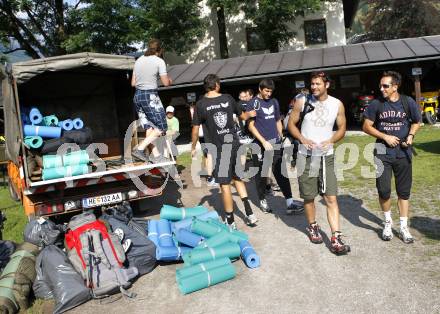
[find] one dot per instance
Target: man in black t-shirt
(394, 121)
(216, 112)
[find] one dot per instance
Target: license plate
(102, 200)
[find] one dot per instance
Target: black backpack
(142, 251)
(308, 107)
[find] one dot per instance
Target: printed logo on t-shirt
(269, 112)
(321, 114)
(392, 126)
(224, 104)
(257, 104)
(220, 119)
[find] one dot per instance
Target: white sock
(403, 222)
(289, 201)
(387, 215)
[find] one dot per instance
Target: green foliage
(105, 26)
(272, 18)
(53, 27)
(390, 19)
(175, 22)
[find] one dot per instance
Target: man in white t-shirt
(315, 161)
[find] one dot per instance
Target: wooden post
(417, 88)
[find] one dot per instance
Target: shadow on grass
(429, 227)
(429, 147)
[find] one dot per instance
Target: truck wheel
(429, 117)
(14, 196)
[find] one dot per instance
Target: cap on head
(170, 109)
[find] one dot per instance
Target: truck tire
(14, 196)
(430, 119)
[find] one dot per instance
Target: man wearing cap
(172, 121)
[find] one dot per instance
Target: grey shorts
(316, 179)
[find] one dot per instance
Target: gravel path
(296, 276)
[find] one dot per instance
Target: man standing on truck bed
(147, 103)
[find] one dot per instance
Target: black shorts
(402, 170)
(225, 163)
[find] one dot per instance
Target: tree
(105, 26)
(272, 18)
(38, 26)
(389, 19)
(176, 23)
(46, 28)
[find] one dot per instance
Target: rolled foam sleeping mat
(61, 172)
(171, 253)
(51, 120)
(231, 250)
(78, 123)
(239, 234)
(35, 116)
(216, 240)
(175, 213)
(250, 258)
(76, 158)
(153, 234)
(188, 238)
(33, 141)
(188, 271)
(164, 233)
(43, 131)
(204, 228)
(66, 125)
(206, 278)
(52, 161)
(186, 223)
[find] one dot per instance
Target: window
(315, 32)
(255, 40)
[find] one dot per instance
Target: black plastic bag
(57, 279)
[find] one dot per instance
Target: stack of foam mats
(209, 263)
(70, 164)
(203, 275)
(159, 232)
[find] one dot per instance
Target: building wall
(207, 49)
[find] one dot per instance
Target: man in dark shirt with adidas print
(393, 121)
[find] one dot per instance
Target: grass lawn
(15, 217)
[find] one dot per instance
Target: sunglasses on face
(385, 86)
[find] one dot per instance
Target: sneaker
(338, 246)
(211, 182)
(158, 159)
(314, 233)
(140, 155)
(264, 207)
(405, 235)
(387, 233)
(251, 219)
(232, 226)
(276, 187)
(295, 208)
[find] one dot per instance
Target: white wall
(207, 49)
